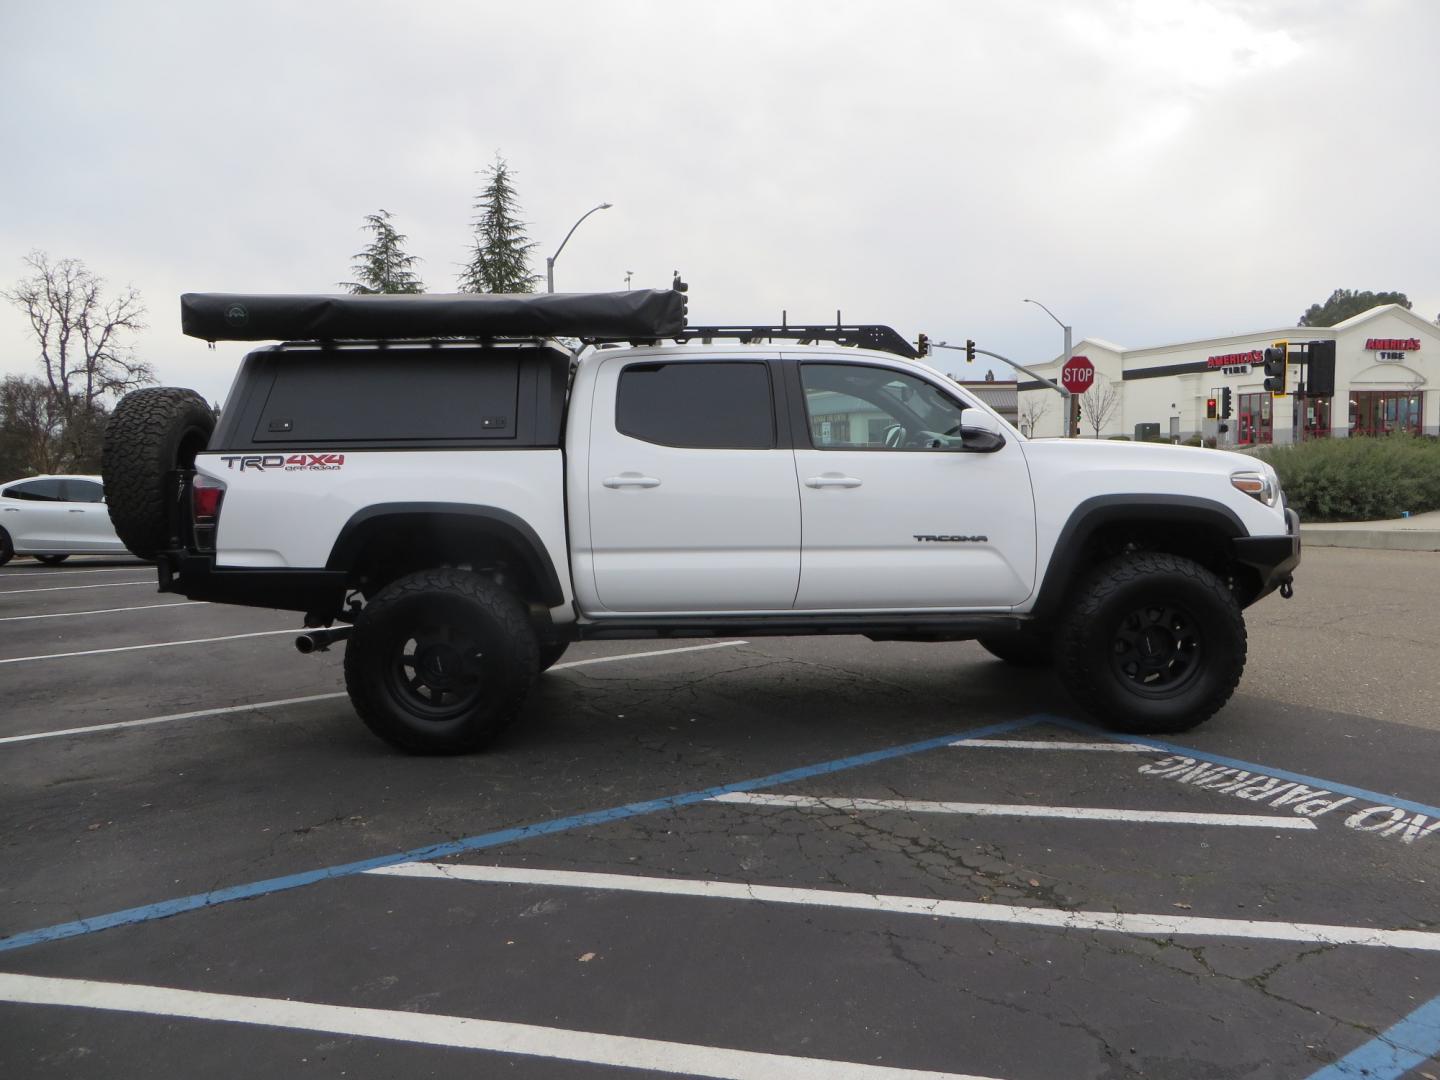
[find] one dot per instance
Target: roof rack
(857, 335)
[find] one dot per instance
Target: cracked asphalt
(906, 976)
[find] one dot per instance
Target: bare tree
(1099, 403)
(1032, 410)
(84, 354)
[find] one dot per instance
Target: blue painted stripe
(166, 908)
(1376, 797)
(1392, 1053)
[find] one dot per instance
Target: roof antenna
(837, 318)
(678, 285)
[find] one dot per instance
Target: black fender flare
(511, 529)
(1101, 510)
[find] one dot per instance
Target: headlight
(1257, 485)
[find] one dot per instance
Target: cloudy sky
(1151, 170)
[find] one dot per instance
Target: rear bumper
(1273, 558)
(318, 593)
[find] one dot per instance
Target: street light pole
(550, 262)
(1069, 417)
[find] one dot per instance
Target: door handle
(833, 480)
(74, 511)
(630, 479)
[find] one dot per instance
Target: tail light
(206, 495)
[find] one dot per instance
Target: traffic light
(1225, 403)
(1210, 408)
(922, 345)
(1276, 357)
(969, 351)
(1320, 369)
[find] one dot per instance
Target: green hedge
(1359, 479)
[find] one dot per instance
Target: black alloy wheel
(1159, 648)
(1151, 642)
(441, 661)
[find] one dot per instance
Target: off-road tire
(458, 630)
(151, 432)
(51, 560)
(1027, 649)
(1151, 643)
(7, 547)
(551, 653)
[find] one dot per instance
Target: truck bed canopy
(639, 314)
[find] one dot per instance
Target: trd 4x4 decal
(285, 462)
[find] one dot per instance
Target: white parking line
(101, 611)
(1057, 744)
(1079, 813)
(120, 724)
(644, 655)
(155, 645)
(529, 1040)
(19, 572)
(72, 588)
(1113, 921)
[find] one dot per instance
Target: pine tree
(384, 267)
(500, 258)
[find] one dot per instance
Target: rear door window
(84, 491)
(710, 405)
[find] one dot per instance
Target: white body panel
(660, 530)
(861, 550)
(274, 517)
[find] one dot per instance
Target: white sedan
(54, 517)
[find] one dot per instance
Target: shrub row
(1359, 479)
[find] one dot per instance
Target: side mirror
(980, 432)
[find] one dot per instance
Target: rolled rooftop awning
(638, 314)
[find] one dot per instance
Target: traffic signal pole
(971, 352)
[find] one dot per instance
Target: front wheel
(440, 661)
(7, 549)
(1152, 643)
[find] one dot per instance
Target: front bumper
(318, 593)
(1273, 558)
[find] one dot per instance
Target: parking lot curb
(1373, 539)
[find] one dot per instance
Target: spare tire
(151, 432)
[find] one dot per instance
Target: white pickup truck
(464, 496)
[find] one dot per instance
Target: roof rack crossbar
(858, 335)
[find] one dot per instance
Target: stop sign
(1078, 374)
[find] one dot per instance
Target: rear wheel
(1152, 643)
(7, 547)
(441, 661)
(51, 560)
(151, 432)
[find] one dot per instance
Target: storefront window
(1256, 421)
(1379, 412)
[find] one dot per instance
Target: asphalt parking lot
(777, 858)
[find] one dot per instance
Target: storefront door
(1313, 417)
(1255, 419)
